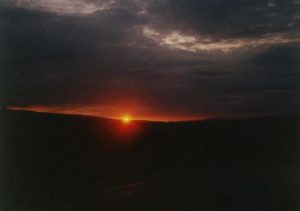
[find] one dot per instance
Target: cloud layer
(154, 58)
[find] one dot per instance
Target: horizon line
(15, 108)
(145, 120)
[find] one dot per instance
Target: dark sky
(153, 59)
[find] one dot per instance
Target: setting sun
(126, 119)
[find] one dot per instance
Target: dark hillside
(73, 163)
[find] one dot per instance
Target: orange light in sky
(126, 119)
(113, 112)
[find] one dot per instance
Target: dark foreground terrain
(72, 163)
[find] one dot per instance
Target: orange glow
(126, 119)
(111, 112)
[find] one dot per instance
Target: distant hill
(64, 162)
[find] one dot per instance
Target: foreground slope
(57, 162)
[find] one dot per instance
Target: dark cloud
(172, 57)
(227, 19)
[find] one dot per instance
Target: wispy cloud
(195, 43)
(65, 7)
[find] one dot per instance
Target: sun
(126, 119)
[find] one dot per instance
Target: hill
(60, 162)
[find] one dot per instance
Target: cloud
(65, 7)
(222, 19)
(194, 43)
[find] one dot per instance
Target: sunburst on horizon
(126, 119)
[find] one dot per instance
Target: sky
(151, 59)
